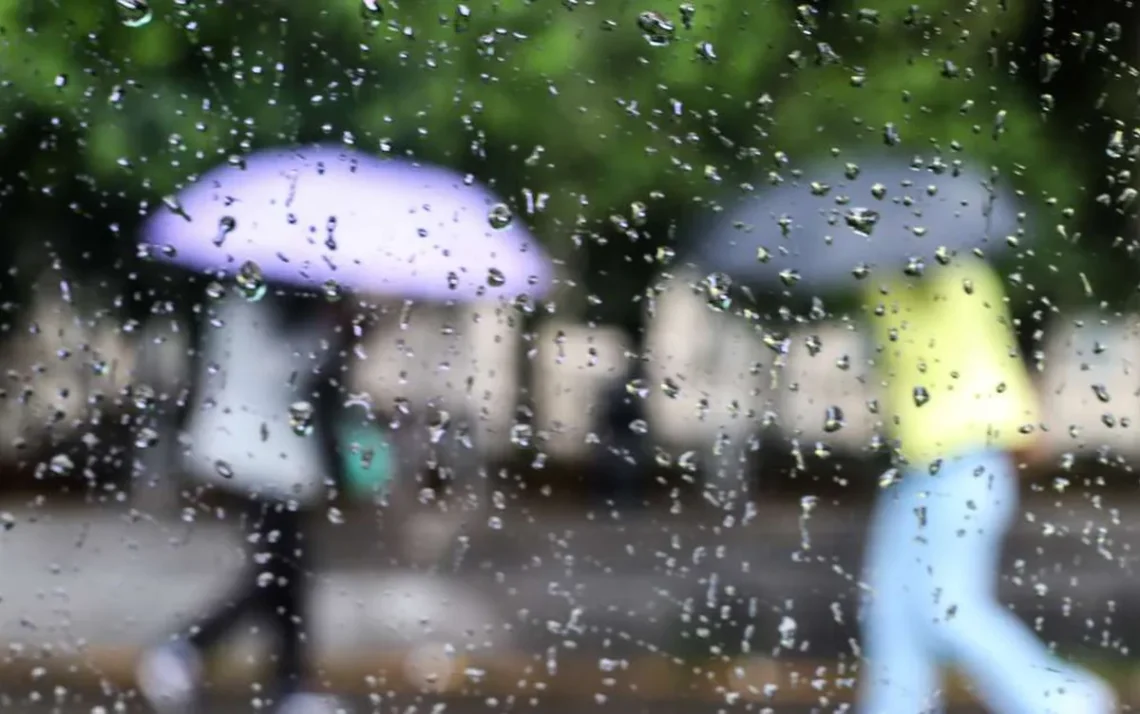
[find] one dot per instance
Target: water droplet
(462, 18)
(223, 469)
(1101, 393)
(688, 11)
(495, 278)
(665, 255)
(250, 281)
(1115, 147)
(806, 19)
(670, 388)
(174, 206)
(226, 225)
(656, 28)
(521, 434)
(215, 290)
(637, 388)
(833, 420)
(301, 417)
(688, 461)
(61, 465)
(143, 397)
(134, 13)
(717, 287)
(789, 277)
(438, 425)
(336, 516)
(639, 213)
(500, 216)
(146, 438)
(862, 220)
(332, 291)
(452, 280)
(921, 396)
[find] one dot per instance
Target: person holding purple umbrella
(255, 431)
(319, 221)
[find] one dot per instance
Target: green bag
(367, 459)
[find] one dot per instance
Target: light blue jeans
(932, 566)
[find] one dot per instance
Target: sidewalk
(546, 603)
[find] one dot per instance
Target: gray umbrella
(842, 219)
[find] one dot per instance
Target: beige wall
(59, 383)
(709, 356)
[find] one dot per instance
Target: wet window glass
(568, 356)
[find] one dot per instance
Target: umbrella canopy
(817, 232)
(306, 217)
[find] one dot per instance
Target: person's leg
(168, 674)
(971, 505)
(899, 673)
(242, 601)
(283, 589)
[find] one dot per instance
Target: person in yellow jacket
(961, 413)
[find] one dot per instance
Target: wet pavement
(551, 612)
(94, 702)
(623, 584)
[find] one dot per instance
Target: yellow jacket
(952, 375)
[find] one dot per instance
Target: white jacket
(251, 371)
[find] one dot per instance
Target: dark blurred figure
(258, 427)
(623, 460)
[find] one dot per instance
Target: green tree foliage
(600, 105)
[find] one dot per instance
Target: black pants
(273, 587)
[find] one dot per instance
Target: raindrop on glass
(833, 420)
(863, 220)
(1101, 393)
(332, 291)
(921, 396)
(717, 287)
(250, 281)
(656, 28)
(223, 469)
(61, 465)
(301, 415)
(134, 13)
(500, 216)
(226, 225)
(438, 426)
(637, 388)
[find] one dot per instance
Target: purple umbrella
(391, 227)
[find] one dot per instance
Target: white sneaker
(307, 703)
(1092, 696)
(168, 677)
